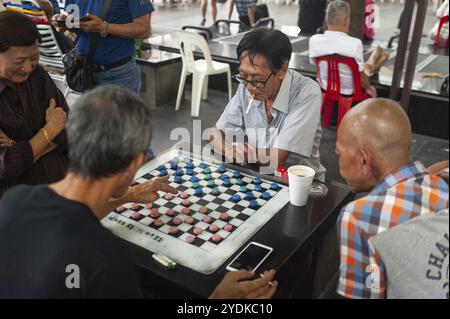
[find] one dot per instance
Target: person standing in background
(369, 31)
(204, 8)
(311, 16)
(357, 18)
(246, 10)
(114, 55)
(171, 4)
(56, 6)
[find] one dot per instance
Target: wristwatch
(105, 32)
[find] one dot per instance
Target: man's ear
(283, 71)
(134, 166)
(366, 162)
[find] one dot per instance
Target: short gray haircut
(337, 11)
(107, 128)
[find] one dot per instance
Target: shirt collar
(400, 175)
(336, 33)
(281, 102)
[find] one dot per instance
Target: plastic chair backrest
(51, 53)
(443, 21)
(265, 23)
(205, 32)
(189, 40)
(334, 79)
(224, 27)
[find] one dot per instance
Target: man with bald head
(374, 149)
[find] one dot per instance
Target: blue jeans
(127, 76)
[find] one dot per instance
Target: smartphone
(85, 18)
(251, 257)
(60, 22)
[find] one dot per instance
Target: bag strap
(96, 38)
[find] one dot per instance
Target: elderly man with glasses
(276, 111)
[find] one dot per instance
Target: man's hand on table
(148, 192)
(239, 285)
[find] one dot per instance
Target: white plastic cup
(300, 182)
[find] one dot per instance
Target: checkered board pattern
(204, 254)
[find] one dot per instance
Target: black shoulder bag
(79, 69)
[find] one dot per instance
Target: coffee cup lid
(296, 169)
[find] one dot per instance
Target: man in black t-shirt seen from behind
(52, 244)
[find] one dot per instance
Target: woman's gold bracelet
(45, 133)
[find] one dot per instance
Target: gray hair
(107, 128)
(337, 11)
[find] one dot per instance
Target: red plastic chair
(443, 21)
(333, 92)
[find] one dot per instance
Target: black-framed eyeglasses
(255, 83)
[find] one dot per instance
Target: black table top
(292, 231)
(224, 50)
(170, 42)
(155, 57)
(429, 76)
(299, 43)
(424, 80)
